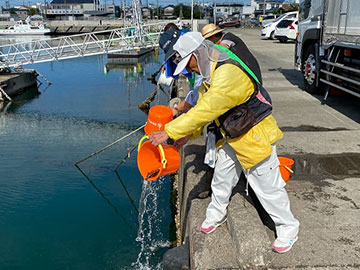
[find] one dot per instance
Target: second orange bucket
(159, 115)
(285, 167)
(155, 161)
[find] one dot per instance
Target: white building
(270, 4)
(169, 12)
(228, 10)
(77, 8)
(247, 11)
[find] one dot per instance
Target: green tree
(197, 13)
(187, 12)
(32, 11)
(12, 11)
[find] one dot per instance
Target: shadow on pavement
(344, 103)
(292, 75)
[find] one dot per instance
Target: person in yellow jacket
(253, 152)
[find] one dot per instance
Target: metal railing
(101, 42)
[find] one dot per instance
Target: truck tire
(309, 63)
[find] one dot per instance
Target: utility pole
(124, 10)
(264, 8)
(192, 14)
(181, 15)
(65, 10)
(45, 9)
(214, 11)
(157, 9)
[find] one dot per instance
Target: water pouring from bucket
(155, 161)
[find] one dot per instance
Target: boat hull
(23, 33)
(134, 53)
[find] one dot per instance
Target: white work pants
(267, 183)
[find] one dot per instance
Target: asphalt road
(308, 126)
(277, 64)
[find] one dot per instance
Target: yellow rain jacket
(229, 87)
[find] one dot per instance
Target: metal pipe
(108, 146)
(340, 87)
(341, 66)
(340, 77)
(4, 93)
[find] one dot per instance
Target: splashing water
(149, 235)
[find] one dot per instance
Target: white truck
(327, 48)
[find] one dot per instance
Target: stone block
(251, 242)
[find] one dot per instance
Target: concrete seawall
(85, 26)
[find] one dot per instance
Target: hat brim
(168, 55)
(211, 33)
(182, 65)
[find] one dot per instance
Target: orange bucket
(159, 115)
(155, 161)
(285, 167)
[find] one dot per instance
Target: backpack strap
(236, 58)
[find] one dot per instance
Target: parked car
(268, 19)
(218, 20)
(268, 30)
(231, 22)
(286, 29)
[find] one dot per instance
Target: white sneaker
(209, 227)
(281, 246)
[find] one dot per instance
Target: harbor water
(54, 216)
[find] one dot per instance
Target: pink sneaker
(280, 246)
(209, 227)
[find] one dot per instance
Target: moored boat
(132, 53)
(26, 28)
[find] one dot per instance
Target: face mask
(205, 55)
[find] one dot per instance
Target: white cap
(185, 45)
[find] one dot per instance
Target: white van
(268, 30)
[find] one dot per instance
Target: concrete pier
(324, 190)
(16, 82)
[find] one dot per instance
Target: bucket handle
(290, 170)
(162, 153)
